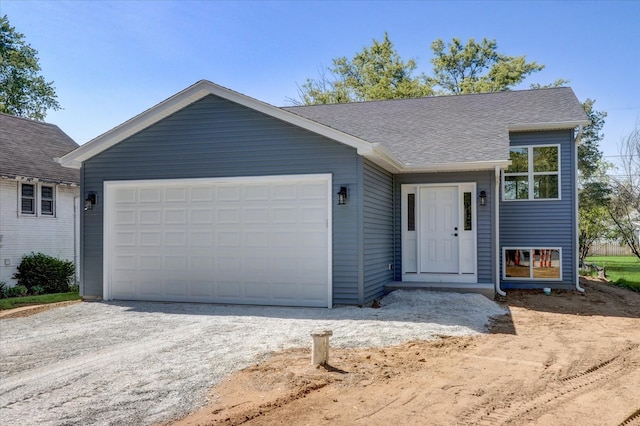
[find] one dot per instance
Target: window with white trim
(28, 198)
(531, 263)
(534, 173)
(37, 199)
(47, 200)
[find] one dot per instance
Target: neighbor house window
(532, 263)
(37, 199)
(46, 200)
(28, 199)
(534, 173)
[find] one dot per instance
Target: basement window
(532, 263)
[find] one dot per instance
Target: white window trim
(531, 174)
(53, 200)
(37, 199)
(531, 277)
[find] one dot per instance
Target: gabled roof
(449, 129)
(28, 149)
(468, 132)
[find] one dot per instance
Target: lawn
(621, 270)
(16, 302)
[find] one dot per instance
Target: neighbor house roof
(29, 147)
(449, 129)
(468, 132)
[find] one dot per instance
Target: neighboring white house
(39, 199)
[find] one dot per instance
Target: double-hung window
(37, 199)
(28, 198)
(534, 173)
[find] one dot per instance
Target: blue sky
(111, 60)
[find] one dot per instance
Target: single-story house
(39, 198)
(213, 196)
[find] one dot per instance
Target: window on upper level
(37, 199)
(534, 173)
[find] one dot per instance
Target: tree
(624, 207)
(594, 221)
(23, 91)
(378, 72)
(375, 73)
(476, 67)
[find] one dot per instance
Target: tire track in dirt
(632, 420)
(554, 393)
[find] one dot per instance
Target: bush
(36, 290)
(16, 291)
(48, 273)
(3, 289)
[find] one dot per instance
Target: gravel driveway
(141, 362)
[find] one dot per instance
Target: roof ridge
(29, 120)
(442, 96)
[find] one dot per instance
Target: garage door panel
(264, 242)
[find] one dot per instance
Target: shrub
(36, 290)
(16, 291)
(51, 274)
(3, 289)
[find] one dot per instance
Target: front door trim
(467, 242)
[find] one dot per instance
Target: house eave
(187, 97)
(36, 179)
(456, 167)
(558, 125)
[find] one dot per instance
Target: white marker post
(320, 355)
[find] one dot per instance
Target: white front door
(438, 223)
(439, 232)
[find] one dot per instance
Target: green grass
(16, 302)
(621, 270)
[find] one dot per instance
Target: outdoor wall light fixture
(483, 198)
(90, 201)
(342, 196)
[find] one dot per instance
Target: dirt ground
(563, 359)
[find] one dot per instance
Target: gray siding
(548, 223)
(485, 247)
(377, 230)
(217, 138)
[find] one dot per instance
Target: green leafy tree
(624, 206)
(375, 73)
(476, 67)
(594, 222)
(23, 91)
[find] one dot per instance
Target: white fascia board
(188, 96)
(456, 167)
(383, 158)
(523, 127)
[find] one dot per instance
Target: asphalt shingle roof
(28, 147)
(448, 129)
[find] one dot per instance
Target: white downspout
(496, 230)
(576, 244)
(76, 261)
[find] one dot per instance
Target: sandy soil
(563, 359)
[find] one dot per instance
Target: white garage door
(260, 240)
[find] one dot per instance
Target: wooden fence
(609, 249)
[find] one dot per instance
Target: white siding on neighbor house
(20, 235)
